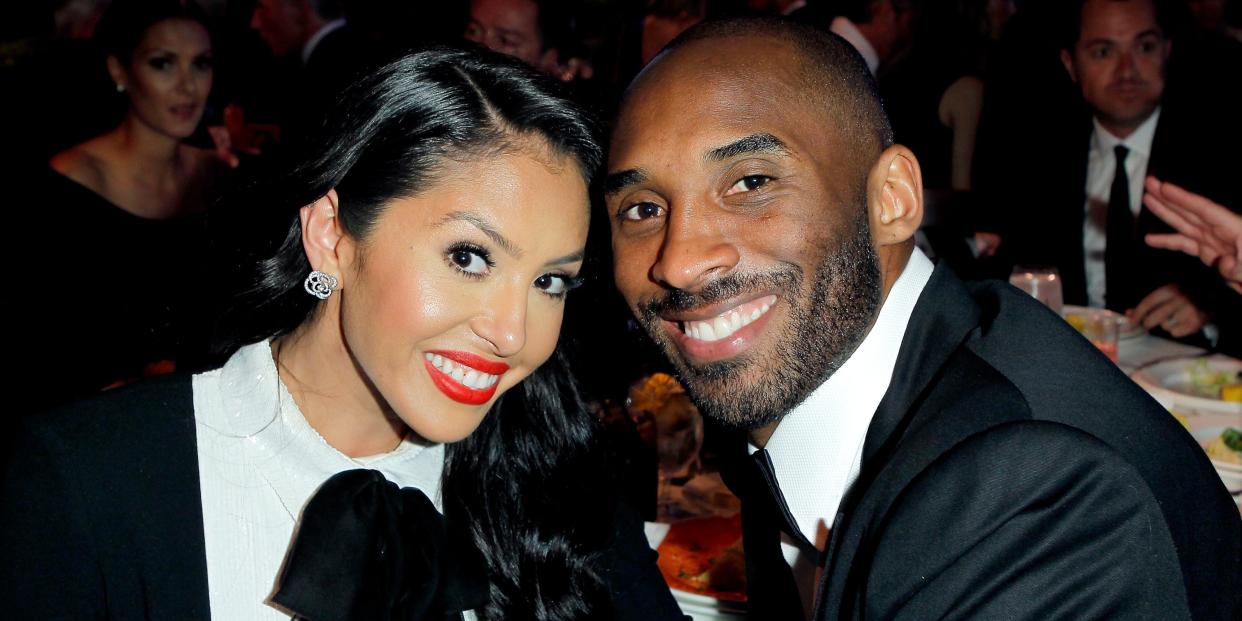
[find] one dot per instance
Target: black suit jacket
(1011, 471)
(101, 518)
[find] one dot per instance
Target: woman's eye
(472, 261)
(556, 285)
(203, 64)
(159, 63)
(641, 211)
(748, 183)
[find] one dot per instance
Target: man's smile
(718, 331)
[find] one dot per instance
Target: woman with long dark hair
(402, 331)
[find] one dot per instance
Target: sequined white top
(259, 463)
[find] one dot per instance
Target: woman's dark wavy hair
(124, 23)
(516, 480)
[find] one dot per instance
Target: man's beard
(755, 389)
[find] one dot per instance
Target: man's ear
(323, 239)
(895, 197)
(1068, 62)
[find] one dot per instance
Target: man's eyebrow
(483, 225)
(754, 143)
(618, 181)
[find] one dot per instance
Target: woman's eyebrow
(572, 257)
(485, 227)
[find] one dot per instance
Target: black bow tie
(368, 550)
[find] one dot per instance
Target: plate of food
(1204, 384)
(702, 562)
(1224, 447)
(1077, 317)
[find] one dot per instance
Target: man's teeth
(723, 326)
(464, 375)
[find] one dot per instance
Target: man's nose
(1126, 64)
(695, 251)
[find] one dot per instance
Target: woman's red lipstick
(458, 391)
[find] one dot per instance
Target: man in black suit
(316, 55)
(917, 447)
(311, 31)
(1081, 175)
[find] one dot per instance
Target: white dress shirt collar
(259, 462)
(816, 449)
(846, 29)
(1139, 141)
(793, 6)
(313, 42)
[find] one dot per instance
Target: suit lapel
(943, 318)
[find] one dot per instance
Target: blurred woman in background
(119, 290)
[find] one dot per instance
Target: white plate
(702, 607)
(1230, 474)
(1169, 382)
(1129, 329)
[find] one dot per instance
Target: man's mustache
(718, 290)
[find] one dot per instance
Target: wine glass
(1041, 282)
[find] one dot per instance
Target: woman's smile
(464, 377)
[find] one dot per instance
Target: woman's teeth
(725, 324)
(464, 375)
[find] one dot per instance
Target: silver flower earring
(320, 284)
(120, 88)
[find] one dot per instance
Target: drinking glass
(1103, 329)
(1042, 283)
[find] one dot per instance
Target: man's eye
(642, 211)
(1102, 51)
(748, 183)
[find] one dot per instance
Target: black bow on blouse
(368, 550)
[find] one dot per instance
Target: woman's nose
(503, 321)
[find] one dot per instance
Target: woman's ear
(322, 236)
(895, 191)
(117, 73)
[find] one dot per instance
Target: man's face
(739, 227)
(1118, 61)
(507, 26)
(281, 25)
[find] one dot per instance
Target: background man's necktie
(1119, 254)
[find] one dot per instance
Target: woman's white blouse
(259, 462)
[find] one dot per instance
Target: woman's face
(457, 295)
(169, 77)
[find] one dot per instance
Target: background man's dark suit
(1011, 471)
(1191, 148)
(1031, 159)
